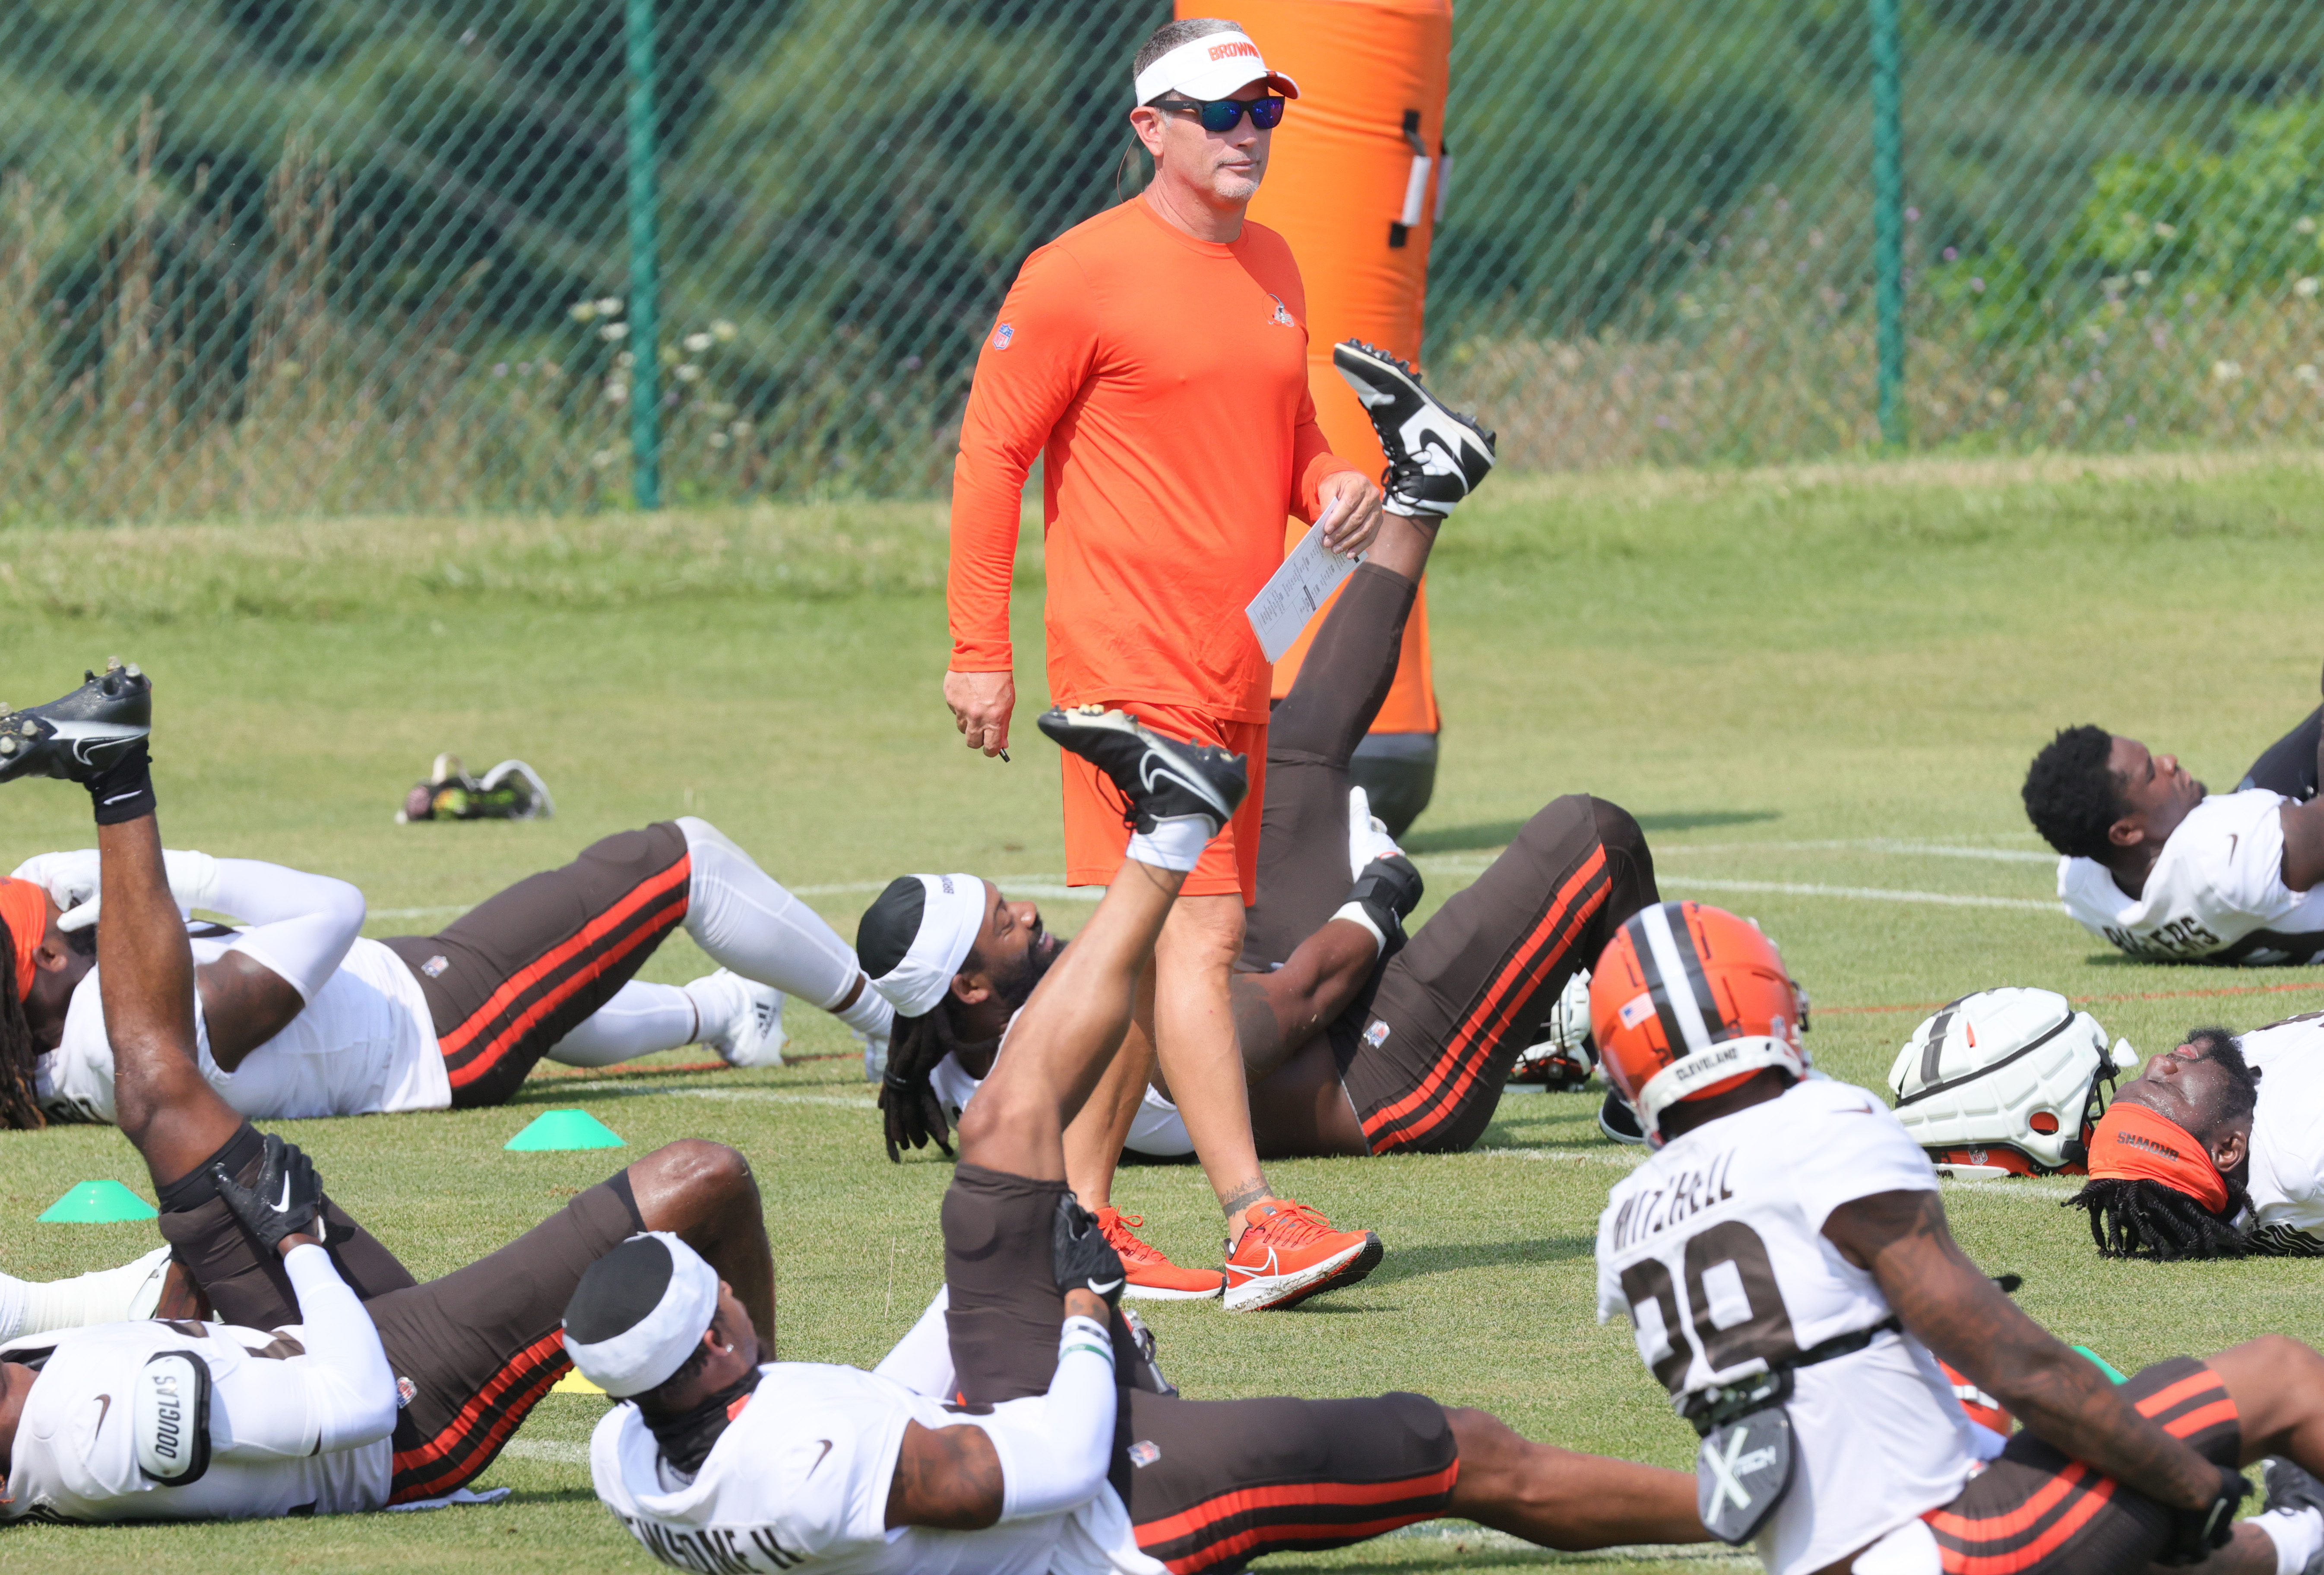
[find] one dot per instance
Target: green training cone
(97, 1202)
(554, 1129)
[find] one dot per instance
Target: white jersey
(75, 1455)
(800, 1480)
(2286, 1178)
(366, 1043)
(1715, 1248)
(2217, 892)
(1157, 1130)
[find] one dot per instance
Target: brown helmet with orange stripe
(1687, 1001)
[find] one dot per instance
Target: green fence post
(1889, 216)
(645, 262)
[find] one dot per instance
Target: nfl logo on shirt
(1002, 335)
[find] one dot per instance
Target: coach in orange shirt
(1156, 357)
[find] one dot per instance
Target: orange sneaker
(1147, 1272)
(1287, 1252)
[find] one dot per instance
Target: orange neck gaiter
(2134, 1143)
(24, 910)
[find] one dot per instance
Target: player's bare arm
(245, 1003)
(2303, 843)
(1276, 1013)
(1955, 1310)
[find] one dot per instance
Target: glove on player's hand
(2197, 1534)
(1083, 1259)
(913, 1114)
(288, 1200)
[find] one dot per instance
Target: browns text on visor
(1215, 65)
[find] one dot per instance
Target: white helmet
(2005, 1083)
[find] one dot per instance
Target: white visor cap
(1217, 66)
(645, 1354)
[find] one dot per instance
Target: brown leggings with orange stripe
(2035, 1512)
(1424, 1049)
(1209, 1484)
(1425, 1058)
(519, 971)
(473, 1352)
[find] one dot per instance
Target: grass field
(1817, 689)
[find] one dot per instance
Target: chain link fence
(273, 257)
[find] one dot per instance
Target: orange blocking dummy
(1354, 182)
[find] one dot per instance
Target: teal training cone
(97, 1202)
(554, 1129)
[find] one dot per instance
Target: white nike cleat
(1368, 836)
(753, 1035)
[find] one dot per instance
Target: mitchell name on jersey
(1715, 1249)
(2216, 892)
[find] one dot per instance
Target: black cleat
(2292, 1489)
(1619, 1122)
(1162, 777)
(1436, 456)
(79, 737)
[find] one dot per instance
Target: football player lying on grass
(322, 1378)
(1018, 1427)
(2160, 866)
(1784, 1259)
(1354, 1040)
(296, 1015)
(2216, 1149)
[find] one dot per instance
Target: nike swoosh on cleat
(1154, 767)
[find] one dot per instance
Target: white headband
(1214, 65)
(950, 919)
(657, 1345)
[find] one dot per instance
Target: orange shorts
(1096, 838)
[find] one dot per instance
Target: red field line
(1930, 1006)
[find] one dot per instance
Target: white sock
(2298, 1535)
(1176, 843)
(114, 1295)
(871, 1015)
(640, 1019)
(747, 922)
(1354, 912)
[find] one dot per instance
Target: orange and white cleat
(1287, 1252)
(1147, 1273)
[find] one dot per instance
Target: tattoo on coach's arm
(948, 1478)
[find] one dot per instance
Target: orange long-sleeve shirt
(1165, 380)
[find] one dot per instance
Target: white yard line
(1867, 893)
(753, 1096)
(562, 1451)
